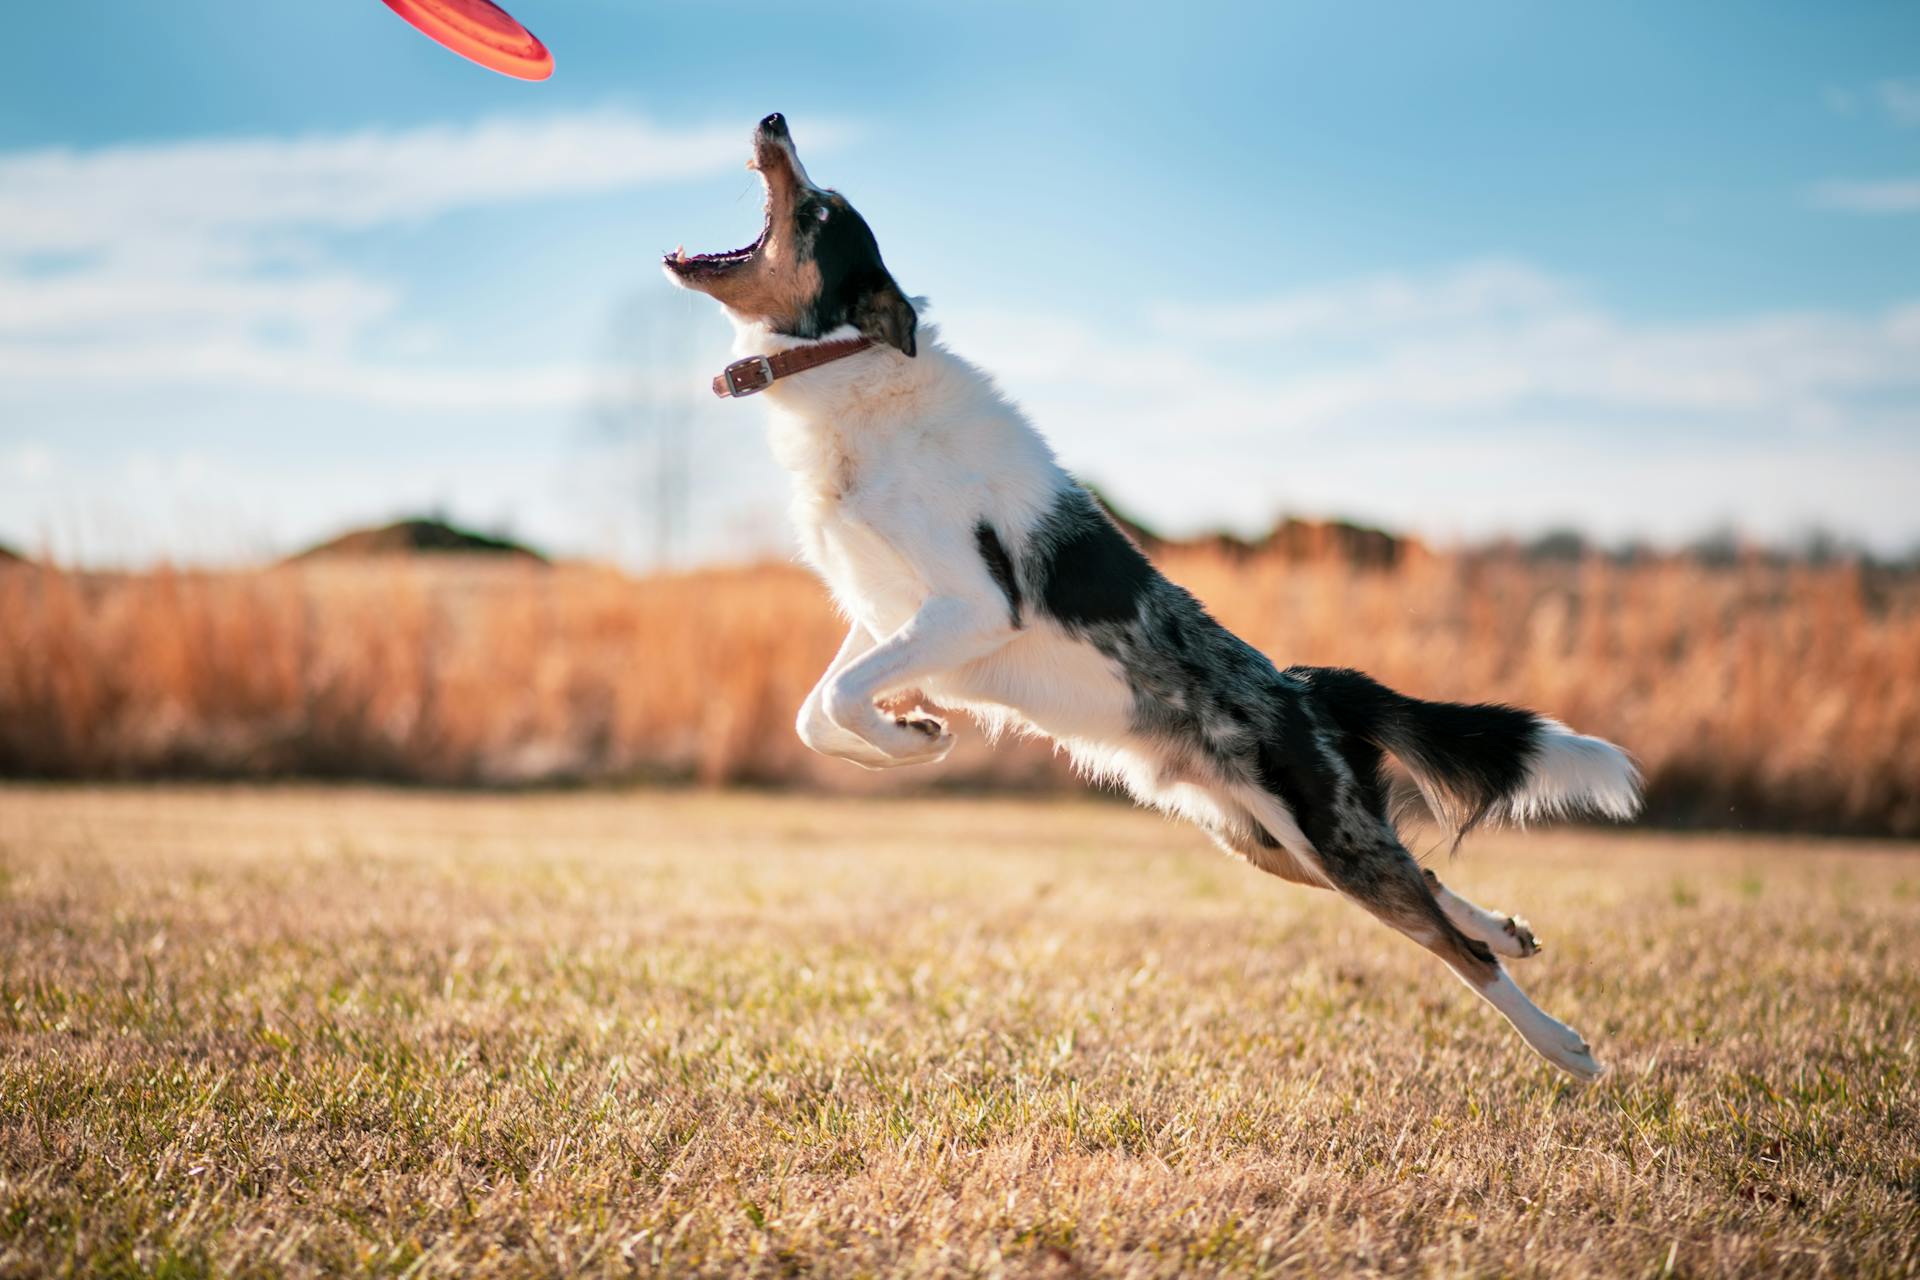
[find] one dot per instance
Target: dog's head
(815, 266)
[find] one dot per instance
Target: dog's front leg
(947, 632)
(819, 732)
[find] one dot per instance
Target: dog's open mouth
(694, 265)
(774, 161)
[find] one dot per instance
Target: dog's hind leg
(1240, 833)
(1386, 880)
(1509, 936)
(1553, 1039)
(1377, 873)
(1246, 835)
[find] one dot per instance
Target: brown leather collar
(756, 373)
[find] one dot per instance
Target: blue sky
(267, 271)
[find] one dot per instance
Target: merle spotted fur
(1314, 737)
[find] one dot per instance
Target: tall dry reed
(1755, 695)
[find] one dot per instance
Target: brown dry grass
(322, 1032)
(1754, 695)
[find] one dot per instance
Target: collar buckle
(756, 373)
(747, 377)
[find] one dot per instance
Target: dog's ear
(884, 315)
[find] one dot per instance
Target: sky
(271, 271)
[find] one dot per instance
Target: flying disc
(481, 32)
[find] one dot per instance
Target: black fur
(1289, 762)
(1476, 753)
(1090, 574)
(999, 567)
(855, 286)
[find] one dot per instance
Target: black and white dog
(976, 571)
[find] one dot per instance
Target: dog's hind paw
(1521, 937)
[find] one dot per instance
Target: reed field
(344, 1031)
(1756, 694)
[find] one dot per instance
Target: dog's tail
(1481, 762)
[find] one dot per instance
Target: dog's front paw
(929, 726)
(916, 737)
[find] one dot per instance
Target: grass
(1755, 694)
(314, 1031)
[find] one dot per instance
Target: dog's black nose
(775, 124)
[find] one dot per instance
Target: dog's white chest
(865, 568)
(863, 509)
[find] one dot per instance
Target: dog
(973, 569)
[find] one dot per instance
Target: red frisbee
(481, 32)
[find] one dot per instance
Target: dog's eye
(820, 213)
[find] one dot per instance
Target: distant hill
(416, 538)
(1292, 539)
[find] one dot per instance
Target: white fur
(1555, 1041)
(1572, 773)
(1509, 936)
(893, 460)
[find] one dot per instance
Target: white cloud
(1483, 336)
(1900, 99)
(1477, 398)
(116, 303)
(1881, 195)
(208, 262)
(243, 365)
(1488, 379)
(29, 462)
(1376, 305)
(103, 200)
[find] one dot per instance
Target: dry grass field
(320, 1032)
